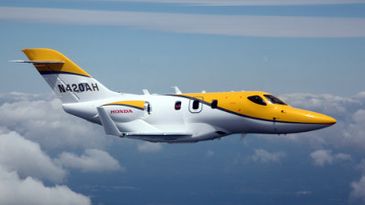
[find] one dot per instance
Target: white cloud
(331, 104)
(232, 25)
(358, 190)
(361, 166)
(12, 97)
(92, 160)
(248, 2)
(14, 191)
(149, 147)
(29, 122)
(209, 153)
(348, 133)
(42, 119)
(321, 157)
(26, 157)
(358, 187)
(264, 156)
(326, 157)
(303, 193)
(343, 157)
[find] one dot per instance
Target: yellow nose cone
(325, 119)
(309, 117)
(318, 118)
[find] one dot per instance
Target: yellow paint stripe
(237, 103)
(46, 54)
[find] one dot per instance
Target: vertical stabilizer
(69, 82)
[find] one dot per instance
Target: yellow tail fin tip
(46, 54)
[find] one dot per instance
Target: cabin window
(177, 105)
(257, 99)
(214, 104)
(274, 100)
(196, 104)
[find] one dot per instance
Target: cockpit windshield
(274, 100)
(257, 99)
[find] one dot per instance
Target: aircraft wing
(173, 134)
(109, 125)
(111, 128)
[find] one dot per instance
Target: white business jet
(173, 118)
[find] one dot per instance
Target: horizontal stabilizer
(37, 62)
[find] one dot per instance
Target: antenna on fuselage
(146, 92)
(177, 90)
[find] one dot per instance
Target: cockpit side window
(274, 100)
(257, 99)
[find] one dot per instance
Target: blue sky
(309, 52)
